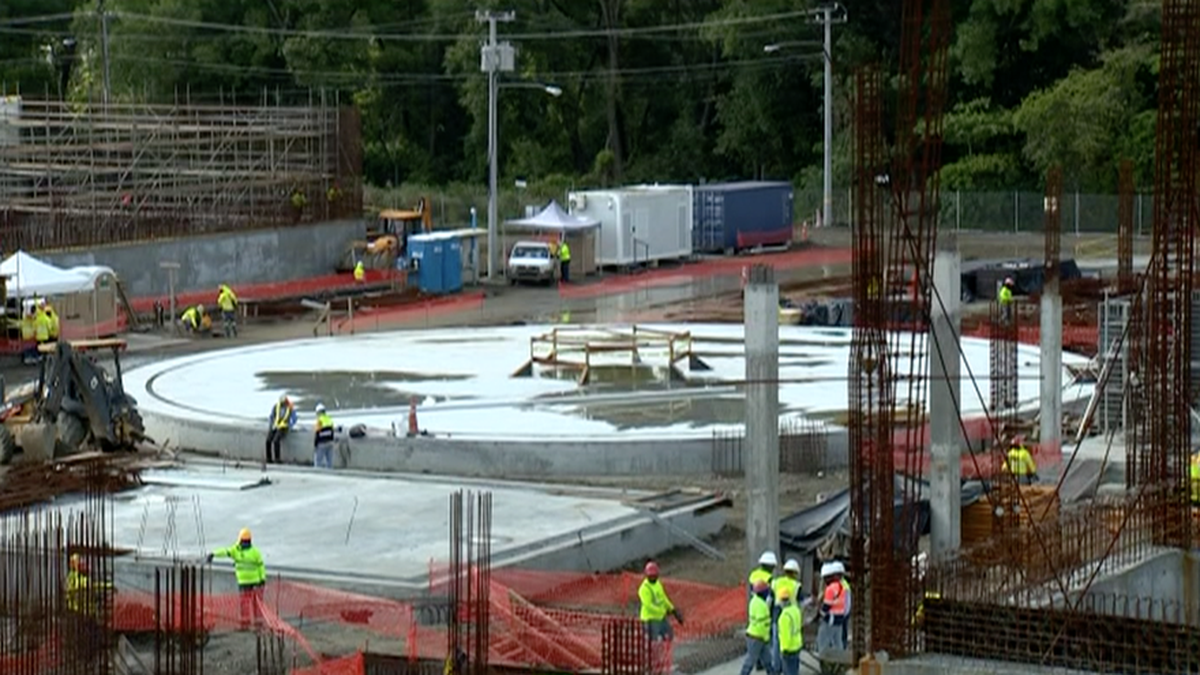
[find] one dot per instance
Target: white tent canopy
(29, 277)
(554, 219)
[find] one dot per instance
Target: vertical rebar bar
(1125, 190)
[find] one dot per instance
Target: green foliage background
(1034, 82)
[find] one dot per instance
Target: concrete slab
(366, 533)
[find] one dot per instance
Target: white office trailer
(639, 224)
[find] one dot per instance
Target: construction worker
(250, 571)
(765, 572)
(833, 608)
(758, 628)
(360, 272)
(788, 582)
(1020, 462)
(85, 600)
(1194, 473)
(282, 420)
(564, 261)
(192, 319)
(790, 627)
(227, 300)
(41, 324)
(323, 439)
(52, 316)
(28, 334)
(655, 608)
(1005, 294)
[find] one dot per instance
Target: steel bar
(1125, 196)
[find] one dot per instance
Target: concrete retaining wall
(258, 256)
(467, 457)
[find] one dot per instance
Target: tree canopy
(651, 90)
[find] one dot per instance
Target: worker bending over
(758, 629)
(1020, 463)
(251, 575)
(192, 319)
(790, 627)
(282, 420)
(655, 608)
(227, 300)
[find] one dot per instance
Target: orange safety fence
(538, 619)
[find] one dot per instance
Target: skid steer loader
(74, 404)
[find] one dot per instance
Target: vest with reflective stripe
(759, 627)
(247, 564)
(655, 603)
(791, 629)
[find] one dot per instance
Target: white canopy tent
(29, 277)
(556, 224)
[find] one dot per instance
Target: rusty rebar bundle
(1163, 433)
(179, 630)
(470, 575)
(1126, 283)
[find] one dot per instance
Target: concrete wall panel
(254, 257)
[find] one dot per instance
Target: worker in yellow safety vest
(29, 333)
(1020, 463)
(1195, 476)
(758, 629)
(360, 272)
(564, 261)
(282, 420)
(41, 324)
(192, 319)
(52, 317)
(789, 583)
(85, 601)
(655, 609)
(790, 627)
(250, 572)
(1005, 294)
(227, 300)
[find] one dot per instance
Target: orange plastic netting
(537, 619)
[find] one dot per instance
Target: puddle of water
(354, 389)
(696, 413)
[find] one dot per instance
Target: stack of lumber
(989, 537)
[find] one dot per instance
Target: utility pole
(494, 59)
(104, 46)
(828, 15)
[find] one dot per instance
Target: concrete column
(761, 448)
(1050, 436)
(945, 434)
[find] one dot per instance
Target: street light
(548, 88)
(827, 15)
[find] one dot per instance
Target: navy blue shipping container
(732, 216)
(436, 261)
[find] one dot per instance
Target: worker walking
(282, 420)
(251, 575)
(323, 439)
(834, 605)
(564, 262)
(758, 628)
(790, 627)
(655, 608)
(227, 300)
(1020, 463)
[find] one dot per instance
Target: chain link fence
(1012, 211)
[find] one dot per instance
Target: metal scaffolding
(74, 175)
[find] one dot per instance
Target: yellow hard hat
(244, 535)
(784, 593)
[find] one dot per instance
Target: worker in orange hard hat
(282, 420)
(655, 608)
(250, 571)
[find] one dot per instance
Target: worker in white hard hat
(787, 584)
(765, 574)
(835, 606)
(323, 439)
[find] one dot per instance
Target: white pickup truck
(531, 261)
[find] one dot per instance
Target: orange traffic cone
(412, 417)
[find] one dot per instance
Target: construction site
(508, 459)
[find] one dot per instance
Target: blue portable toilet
(452, 281)
(425, 261)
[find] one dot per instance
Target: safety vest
(1020, 462)
(759, 626)
(247, 564)
(191, 317)
(360, 272)
(835, 598)
(226, 300)
(1005, 296)
(848, 595)
(655, 603)
(27, 329)
(79, 588)
(282, 416)
(791, 629)
(784, 582)
(564, 252)
(41, 327)
(324, 429)
(1195, 474)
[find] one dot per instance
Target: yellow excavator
(387, 238)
